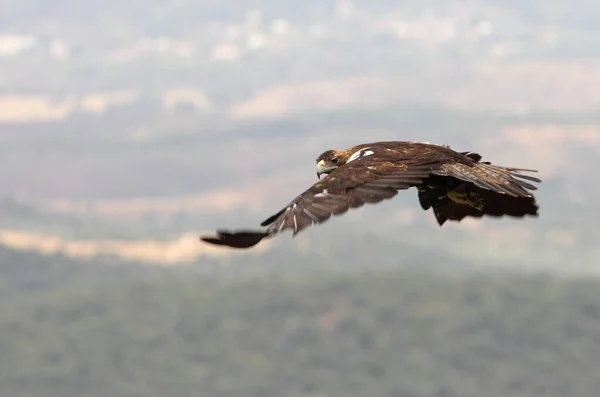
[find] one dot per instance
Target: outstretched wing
(349, 186)
(487, 176)
(366, 180)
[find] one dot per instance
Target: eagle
(455, 185)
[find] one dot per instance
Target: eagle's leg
(462, 194)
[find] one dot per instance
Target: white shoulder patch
(294, 216)
(322, 194)
(360, 153)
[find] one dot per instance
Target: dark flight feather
(494, 205)
(237, 239)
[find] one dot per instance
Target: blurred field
(319, 333)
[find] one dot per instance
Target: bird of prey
(453, 184)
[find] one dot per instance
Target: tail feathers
(236, 239)
(494, 205)
(501, 204)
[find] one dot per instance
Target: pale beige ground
(571, 85)
(32, 108)
(40, 108)
(519, 87)
(328, 95)
(516, 87)
(186, 249)
(99, 102)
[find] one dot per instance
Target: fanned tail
(490, 204)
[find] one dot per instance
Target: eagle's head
(328, 161)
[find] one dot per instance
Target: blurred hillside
(97, 329)
(128, 128)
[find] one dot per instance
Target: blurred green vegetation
(146, 331)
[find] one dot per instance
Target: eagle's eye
(335, 160)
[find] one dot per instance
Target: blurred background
(128, 128)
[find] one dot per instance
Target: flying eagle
(454, 184)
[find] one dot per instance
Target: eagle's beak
(321, 169)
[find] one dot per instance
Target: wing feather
(490, 177)
(370, 180)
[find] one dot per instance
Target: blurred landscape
(127, 129)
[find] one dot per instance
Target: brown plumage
(453, 184)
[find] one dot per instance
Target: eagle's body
(453, 184)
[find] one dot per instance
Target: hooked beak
(322, 169)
